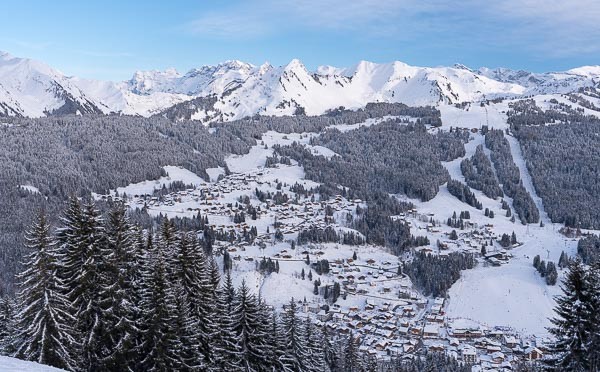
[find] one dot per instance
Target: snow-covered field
(8, 364)
(173, 174)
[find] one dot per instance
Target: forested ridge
(560, 145)
(386, 157)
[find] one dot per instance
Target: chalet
(469, 355)
(416, 331)
(314, 308)
(431, 331)
(408, 348)
(437, 348)
(324, 316)
(421, 303)
(437, 309)
(338, 317)
(384, 333)
(404, 322)
(465, 333)
(497, 357)
(493, 348)
(533, 353)
(510, 341)
(426, 250)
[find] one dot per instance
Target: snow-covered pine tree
(295, 341)
(140, 241)
(68, 240)
(271, 328)
(225, 354)
(188, 270)
(352, 358)
(249, 330)
(44, 324)
(160, 344)
(331, 353)
(87, 287)
(186, 329)
(120, 300)
(203, 299)
(314, 347)
(7, 325)
(572, 324)
(593, 279)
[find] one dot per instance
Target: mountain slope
(234, 89)
(30, 88)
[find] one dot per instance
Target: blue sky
(111, 39)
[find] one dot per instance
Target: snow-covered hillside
(237, 89)
(16, 365)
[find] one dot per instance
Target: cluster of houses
(470, 240)
(381, 308)
(407, 328)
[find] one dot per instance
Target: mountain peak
(294, 64)
(588, 71)
(460, 66)
(5, 55)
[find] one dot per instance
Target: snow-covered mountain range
(234, 89)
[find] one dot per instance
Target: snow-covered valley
(509, 297)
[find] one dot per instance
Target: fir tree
(536, 261)
(226, 353)
(572, 324)
(294, 339)
(593, 282)
(315, 358)
(161, 345)
(551, 273)
(44, 329)
(120, 307)
(248, 330)
(352, 362)
(329, 350)
(7, 326)
(87, 289)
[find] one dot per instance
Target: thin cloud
(227, 25)
(552, 28)
(102, 54)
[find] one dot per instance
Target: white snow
(30, 188)
(214, 173)
(173, 174)
(8, 364)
